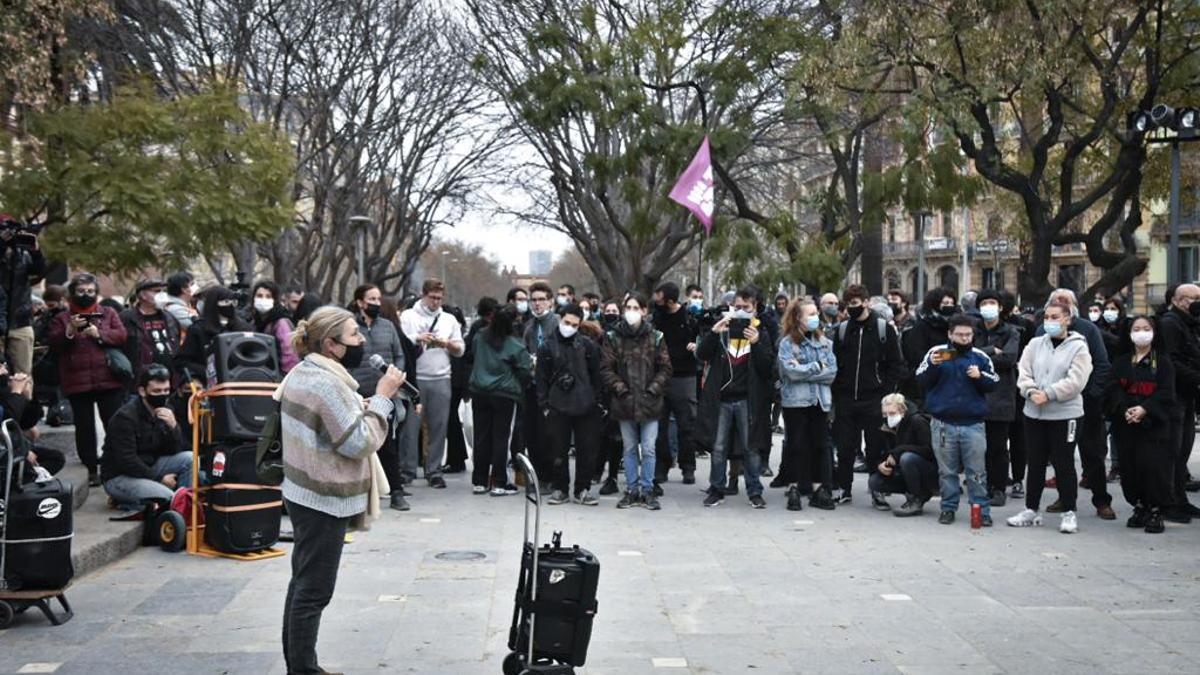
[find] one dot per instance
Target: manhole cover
(460, 556)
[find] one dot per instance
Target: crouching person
(908, 465)
(143, 450)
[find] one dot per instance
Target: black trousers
(1016, 444)
(1051, 441)
(532, 431)
(612, 447)
(315, 557)
(1092, 438)
(559, 428)
(83, 407)
(1183, 435)
(495, 422)
(997, 454)
(456, 440)
(1147, 465)
(806, 450)
(853, 422)
(680, 400)
(389, 452)
(913, 475)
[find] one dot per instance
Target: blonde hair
(896, 399)
(791, 320)
(324, 322)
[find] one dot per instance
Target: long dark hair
(501, 326)
(210, 318)
(1127, 347)
(277, 312)
(309, 302)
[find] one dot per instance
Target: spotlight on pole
(1140, 122)
(1162, 115)
(1187, 119)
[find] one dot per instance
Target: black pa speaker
(241, 358)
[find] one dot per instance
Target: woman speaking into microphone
(328, 433)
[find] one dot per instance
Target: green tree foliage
(144, 181)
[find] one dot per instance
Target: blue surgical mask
(812, 323)
(695, 306)
(1111, 315)
(989, 312)
(1053, 328)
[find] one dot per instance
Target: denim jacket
(806, 371)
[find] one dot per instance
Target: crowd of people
(956, 392)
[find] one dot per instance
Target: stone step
(99, 541)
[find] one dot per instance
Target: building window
(988, 278)
(892, 280)
(1070, 276)
(947, 225)
(915, 292)
(1189, 263)
(948, 278)
(891, 228)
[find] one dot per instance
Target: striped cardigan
(328, 437)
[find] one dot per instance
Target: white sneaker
(1068, 525)
(1027, 518)
(478, 489)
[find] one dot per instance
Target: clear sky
(509, 244)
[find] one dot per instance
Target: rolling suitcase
(36, 535)
(241, 517)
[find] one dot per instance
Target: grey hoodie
(1061, 372)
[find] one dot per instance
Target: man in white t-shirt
(438, 338)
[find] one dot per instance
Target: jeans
(130, 491)
(646, 434)
(679, 400)
(315, 557)
(83, 407)
(734, 417)
(435, 399)
(914, 474)
(961, 448)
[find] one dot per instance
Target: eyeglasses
(85, 291)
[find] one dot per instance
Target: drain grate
(461, 556)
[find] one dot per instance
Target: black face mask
(157, 400)
(856, 312)
(611, 320)
(1194, 308)
(947, 311)
(962, 349)
(896, 308)
(353, 357)
(83, 301)
(227, 311)
(372, 312)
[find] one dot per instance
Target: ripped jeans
(961, 448)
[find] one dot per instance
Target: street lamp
(1183, 122)
(360, 224)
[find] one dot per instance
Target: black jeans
(83, 407)
(1093, 447)
(996, 460)
(1147, 465)
(495, 422)
(806, 449)
(315, 557)
(913, 474)
(1050, 441)
(1016, 444)
(558, 443)
(456, 440)
(852, 422)
(679, 399)
(389, 452)
(1183, 435)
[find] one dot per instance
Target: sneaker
(911, 507)
(999, 498)
(842, 497)
(479, 489)
(1017, 491)
(628, 500)
(651, 502)
(879, 502)
(1056, 507)
(714, 498)
(946, 517)
(1176, 515)
(1138, 519)
(1190, 509)
(558, 497)
(1026, 518)
(985, 520)
(1068, 524)
(767, 472)
(860, 467)
(758, 502)
(1113, 476)
(500, 492)
(731, 489)
(509, 489)
(821, 499)
(609, 487)
(585, 498)
(93, 479)
(437, 483)
(1154, 522)
(1106, 512)
(794, 502)
(689, 476)
(658, 491)
(399, 503)
(779, 481)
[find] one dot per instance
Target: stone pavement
(686, 589)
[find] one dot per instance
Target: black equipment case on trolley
(241, 517)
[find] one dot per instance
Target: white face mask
(1094, 315)
(1142, 338)
(738, 314)
(1111, 315)
(263, 305)
(522, 306)
(194, 289)
(633, 317)
(160, 298)
(567, 331)
(893, 421)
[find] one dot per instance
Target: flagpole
(700, 265)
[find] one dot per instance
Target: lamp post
(921, 216)
(1183, 123)
(359, 224)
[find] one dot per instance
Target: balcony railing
(1003, 248)
(934, 246)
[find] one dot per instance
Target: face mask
(947, 311)
(1110, 315)
(194, 289)
(263, 305)
(227, 311)
(897, 308)
(893, 421)
(157, 400)
(856, 312)
(522, 306)
(1094, 316)
(633, 317)
(695, 306)
(989, 312)
(812, 323)
(1194, 308)
(561, 300)
(372, 311)
(738, 314)
(540, 314)
(610, 320)
(962, 349)
(1053, 328)
(160, 298)
(83, 301)
(567, 331)
(830, 311)
(1142, 338)
(353, 357)
(200, 307)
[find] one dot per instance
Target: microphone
(379, 363)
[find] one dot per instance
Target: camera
(23, 234)
(566, 382)
(241, 290)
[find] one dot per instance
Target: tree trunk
(1033, 287)
(871, 233)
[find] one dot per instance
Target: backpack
(880, 327)
(268, 454)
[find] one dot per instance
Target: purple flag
(695, 187)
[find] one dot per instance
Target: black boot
(399, 503)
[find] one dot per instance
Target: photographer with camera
(80, 338)
(568, 382)
(22, 265)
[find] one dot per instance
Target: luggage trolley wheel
(171, 531)
(6, 614)
(513, 664)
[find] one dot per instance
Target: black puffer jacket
(568, 375)
(912, 435)
(1002, 345)
(20, 269)
(870, 365)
